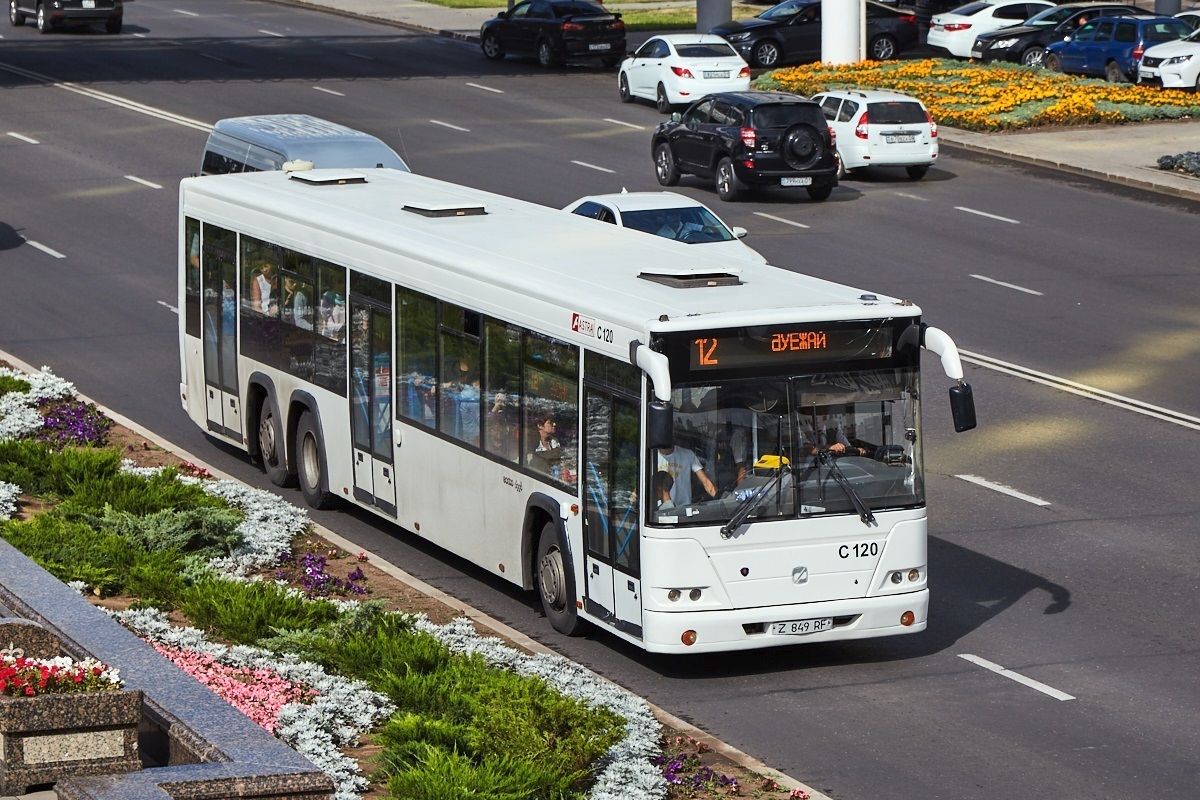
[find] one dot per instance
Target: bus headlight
(897, 577)
(914, 574)
(694, 595)
(673, 595)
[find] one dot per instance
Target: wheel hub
(312, 462)
(266, 440)
(550, 574)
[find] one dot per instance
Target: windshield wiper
(835, 472)
(750, 504)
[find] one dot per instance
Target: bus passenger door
(611, 528)
(219, 331)
(371, 399)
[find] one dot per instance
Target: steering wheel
(693, 236)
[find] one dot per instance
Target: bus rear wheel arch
(311, 470)
(553, 577)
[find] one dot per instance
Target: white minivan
(880, 129)
(268, 141)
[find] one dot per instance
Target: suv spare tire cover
(802, 146)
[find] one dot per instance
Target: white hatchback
(681, 67)
(1174, 65)
(954, 32)
(880, 129)
(671, 216)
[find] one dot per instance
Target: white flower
(18, 410)
(9, 493)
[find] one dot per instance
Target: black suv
(555, 31)
(748, 139)
(1026, 44)
(50, 15)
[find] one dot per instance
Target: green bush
(439, 774)
(11, 384)
(206, 531)
(247, 612)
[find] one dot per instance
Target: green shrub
(438, 774)
(11, 384)
(204, 531)
(247, 612)
(133, 494)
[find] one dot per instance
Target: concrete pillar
(1167, 8)
(841, 31)
(711, 13)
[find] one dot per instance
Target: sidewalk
(1123, 154)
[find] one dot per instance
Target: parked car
(51, 15)
(748, 139)
(1191, 17)
(671, 216)
(790, 33)
(1175, 65)
(1113, 46)
(555, 31)
(880, 129)
(678, 68)
(954, 32)
(1026, 44)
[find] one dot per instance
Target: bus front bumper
(749, 628)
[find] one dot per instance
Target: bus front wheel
(310, 464)
(554, 582)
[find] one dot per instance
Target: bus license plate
(799, 627)
(601, 46)
(804, 181)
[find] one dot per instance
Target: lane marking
(986, 214)
(270, 33)
(140, 35)
(1006, 285)
(451, 127)
(142, 181)
(1016, 676)
(774, 218)
(167, 305)
(115, 100)
(1002, 489)
(485, 88)
(43, 248)
(360, 55)
(626, 124)
(212, 58)
(185, 13)
(23, 138)
(1082, 390)
(912, 196)
(593, 166)
(328, 91)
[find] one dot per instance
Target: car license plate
(601, 46)
(899, 139)
(939, 28)
(718, 74)
(89, 3)
(976, 54)
(805, 181)
(1143, 74)
(800, 627)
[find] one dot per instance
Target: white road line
(328, 91)
(593, 166)
(774, 218)
(360, 55)
(451, 127)
(23, 138)
(1082, 390)
(1016, 676)
(142, 181)
(43, 248)
(986, 214)
(270, 33)
(626, 124)
(485, 88)
(912, 196)
(185, 13)
(140, 35)
(1002, 489)
(1006, 285)
(212, 58)
(167, 305)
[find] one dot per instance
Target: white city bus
(694, 455)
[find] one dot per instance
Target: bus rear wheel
(271, 445)
(554, 582)
(310, 464)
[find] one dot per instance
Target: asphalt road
(1093, 595)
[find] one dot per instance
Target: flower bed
(27, 677)
(993, 97)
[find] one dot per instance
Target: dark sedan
(790, 33)
(1026, 44)
(555, 31)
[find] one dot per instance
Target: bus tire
(555, 582)
(310, 464)
(271, 450)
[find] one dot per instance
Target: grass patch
(675, 19)
(991, 97)
(11, 384)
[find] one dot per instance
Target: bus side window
(416, 357)
(502, 362)
(551, 408)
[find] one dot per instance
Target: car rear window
(1166, 31)
(714, 50)
(578, 10)
(783, 115)
(896, 112)
(970, 9)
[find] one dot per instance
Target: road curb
(395, 23)
(742, 759)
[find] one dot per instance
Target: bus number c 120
(860, 550)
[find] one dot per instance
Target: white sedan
(1174, 65)
(681, 67)
(954, 32)
(671, 216)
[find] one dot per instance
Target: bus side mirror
(660, 425)
(962, 406)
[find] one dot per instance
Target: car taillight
(860, 130)
(745, 73)
(682, 72)
(617, 26)
(908, 19)
(1138, 52)
(932, 125)
(571, 26)
(831, 135)
(749, 137)
(957, 26)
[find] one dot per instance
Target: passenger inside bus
(547, 452)
(264, 289)
(661, 483)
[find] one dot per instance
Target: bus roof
(586, 267)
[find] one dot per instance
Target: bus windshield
(812, 437)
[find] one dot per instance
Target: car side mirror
(1068, 38)
(502, 15)
(739, 232)
(660, 425)
(676, 116)
(962, 407)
